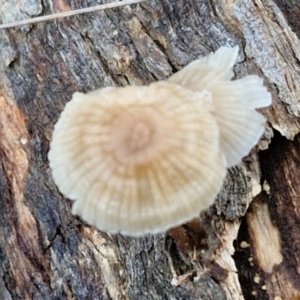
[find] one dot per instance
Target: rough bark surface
(245, 246)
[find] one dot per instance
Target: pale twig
(70, 13)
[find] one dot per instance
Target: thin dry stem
(70, 13)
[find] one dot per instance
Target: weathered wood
(46, 253)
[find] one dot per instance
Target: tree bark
(245, 246)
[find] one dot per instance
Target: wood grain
(46, 253)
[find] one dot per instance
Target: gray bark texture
(245, 246)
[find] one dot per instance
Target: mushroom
(140, 160)
(241, 126)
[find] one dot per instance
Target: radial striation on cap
(138, 160)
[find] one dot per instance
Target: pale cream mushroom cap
(138, 160)
(241, 126)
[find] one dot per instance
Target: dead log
(245, 246)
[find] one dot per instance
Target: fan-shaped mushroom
(138, 159)
(241, 126)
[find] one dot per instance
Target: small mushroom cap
(138, 160)
(241, 126)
